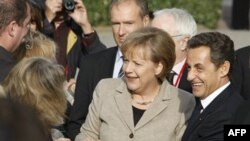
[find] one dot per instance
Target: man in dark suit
(241, 72)
(181, 26)
(126, 17)
(14, 26)
(210, 58)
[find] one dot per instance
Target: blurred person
(126, 16)
(181, 26)
(39, 45)
(19, 122)
(14, 25)
(72, 32)
(142, 106)
(39, 83)
(37, 16)
(36, 45)
(210, 59)
(240, 14)
(241, 72)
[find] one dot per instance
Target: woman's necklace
(144, 102)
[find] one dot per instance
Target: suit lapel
(193, 123)
(123, 102)
(159, 104)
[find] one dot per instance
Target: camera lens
(69, 5)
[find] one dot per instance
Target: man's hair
(220, 45)
(142, 4)
(184, 22)
(12, 10)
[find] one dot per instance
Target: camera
(69, 5)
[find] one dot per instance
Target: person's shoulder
(243, 50)
(179, 94)
(109, 86)
(110, 82)
(99, 55)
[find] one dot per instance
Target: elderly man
(181, 26)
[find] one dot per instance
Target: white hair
(184, 22)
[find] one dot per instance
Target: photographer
(71, 31)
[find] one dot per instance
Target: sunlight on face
(140, 71)
(202, 73)
(125, 18)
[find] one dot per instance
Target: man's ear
(183, 42)
(11, 28)
(224, 68)
(146, 20)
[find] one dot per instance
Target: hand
(80, 16)
(70, 85)
(51, 8)
(62, 139)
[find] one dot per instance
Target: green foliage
(205, 12)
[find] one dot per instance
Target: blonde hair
(36, 45)
(38, 83)
(2, 92)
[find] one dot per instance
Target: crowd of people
(161, 82)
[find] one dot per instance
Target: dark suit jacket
(242, 115)
(6, 63)
(80, 46)
(184, 84)
(93, 68)
(241, 72)
(209, 125)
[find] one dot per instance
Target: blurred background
(226, 16)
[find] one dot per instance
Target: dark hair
(20, 123)
(12, 10)
(142, 4)
(36, 14)
(221, 47)
(157, 45)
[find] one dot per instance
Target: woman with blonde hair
(39, 83)
(36, 45)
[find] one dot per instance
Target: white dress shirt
(118, 63)
(177, 68)
(205, 102)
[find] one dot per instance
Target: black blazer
(209, 125)
(184, 84)
(241, 72)
(93, 68)
(242, 115)
(6, 63)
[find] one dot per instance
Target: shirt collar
(118, 55)
(205, 102)
(177, 68)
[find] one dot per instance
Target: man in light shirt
(181, 26)
(210, 58)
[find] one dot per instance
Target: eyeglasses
(180, 36)
(177, 35)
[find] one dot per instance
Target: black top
(137, 114)
(6, 63)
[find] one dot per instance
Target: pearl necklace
(144, 102)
